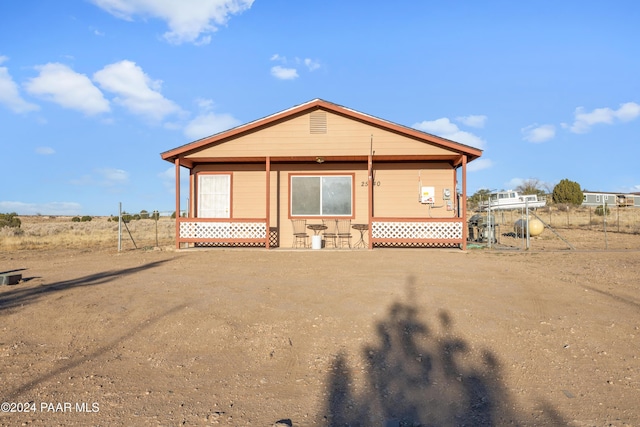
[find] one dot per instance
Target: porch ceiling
(454, 159)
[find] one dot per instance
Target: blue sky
(92, 91)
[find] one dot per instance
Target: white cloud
(205, 104)
(60, 84)
(189, 21)
(9, 93)
(209, 124)
(479, 164)
(136, 91)
(628, 112)
(104, 177)
(283, 73)
(514, 183)
(311, 64)
(112, 177)
(445, 129)
(538, 133)
(474, 121)
(584, 120)
(288, 70)
(53, 208)
(45, 151)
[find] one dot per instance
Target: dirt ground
(389, 337)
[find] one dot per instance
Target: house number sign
(366, 183)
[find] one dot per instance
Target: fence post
(120, 227)
(156, 214)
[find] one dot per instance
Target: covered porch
(268, 230)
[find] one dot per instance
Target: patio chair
(300, 235)
(344, 232)
(331, 233)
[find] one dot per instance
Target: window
(321, 195)
(598, 198)
(214, 195)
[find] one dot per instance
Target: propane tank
(535, 227)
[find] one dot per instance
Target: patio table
(317, 228)
(316, 239)
(361, 228)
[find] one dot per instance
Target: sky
(92, 91)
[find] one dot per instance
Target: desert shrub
(144, 214)
(75, 219)
(86, 218)
(10, 220)
(600, 211)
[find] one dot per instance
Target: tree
(531, 186)
(478, 196)
(567, 191)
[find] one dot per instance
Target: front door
(214, 195)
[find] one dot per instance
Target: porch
(382, 232)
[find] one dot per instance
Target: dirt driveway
(390, 337)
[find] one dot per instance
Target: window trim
(350, 175)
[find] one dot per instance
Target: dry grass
(43, 232)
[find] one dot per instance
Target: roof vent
(318, 122)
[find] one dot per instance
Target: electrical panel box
(446, 194)
(427, 195)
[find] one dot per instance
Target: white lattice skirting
(223, 230)
(417, 230)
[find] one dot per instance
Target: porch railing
(223, 231)
(411, 232)
(435, 232)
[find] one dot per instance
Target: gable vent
(318, 122)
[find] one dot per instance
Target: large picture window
(330, 195)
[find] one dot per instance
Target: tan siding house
(319, 163)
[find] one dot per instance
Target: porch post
(464, 202)
(177, 163)
(268, 201)
(370, 186)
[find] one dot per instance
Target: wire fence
(582, 228)
(618, 219)
(145, 230)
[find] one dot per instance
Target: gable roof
(316, 104)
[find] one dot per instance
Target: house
(599, 198)
(322, 161)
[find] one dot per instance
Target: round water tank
(535, 227)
